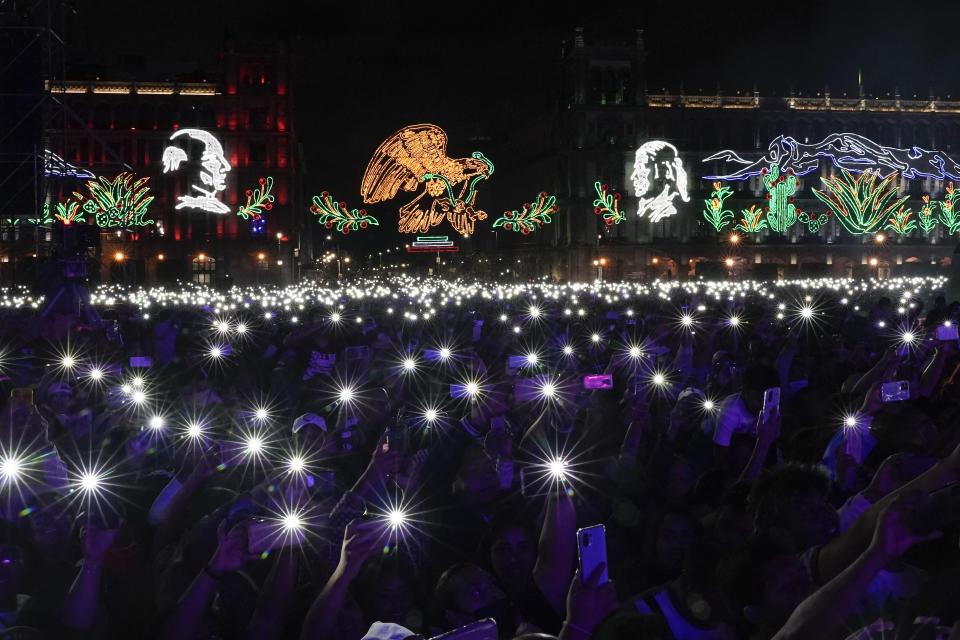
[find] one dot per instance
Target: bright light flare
(346, 394)
(10, 468)
(253, 445)
(156, 423)
(90, 481)
(567, 350)
(409, 365)
(397, 518)
(558, 468)
(195, 430)
(292, 522)
(445, 353)
(296, 464)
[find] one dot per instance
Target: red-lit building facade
(114, 126)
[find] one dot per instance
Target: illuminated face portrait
(658, 162)
(213, 175)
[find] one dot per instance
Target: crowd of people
(412, 457)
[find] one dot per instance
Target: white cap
(387, 631)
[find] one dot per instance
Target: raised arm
(767, 433)
(361, 539)
(231, 555)
(276, 597)
(82, 602)
(556, 549)
(839, 553)
(822, 613)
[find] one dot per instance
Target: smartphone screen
(592, 551)
(895, 391)
(267, 536)
(140, 361)
(22, 397)
(771, 403)
(945, 333)
(598, 381)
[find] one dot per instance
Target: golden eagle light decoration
(415, 157)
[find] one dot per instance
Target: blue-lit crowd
(398, 458)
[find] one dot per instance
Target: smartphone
(140, 362)
(485, 629)
(516, 362)
(431, 355)
(267, 536)
(771, 403)
(945, 333)
(895, 391)
(21, 397)
(459, 390)
(592, 551)
(598, 381)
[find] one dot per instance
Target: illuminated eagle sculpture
(416, 156)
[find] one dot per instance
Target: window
(204, 270)
(258, 152)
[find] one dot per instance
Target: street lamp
(599, 264)
(279, 257)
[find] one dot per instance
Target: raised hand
(588, 603)
(97, 542)
(893, 535)
(360, 540)
(232, 553)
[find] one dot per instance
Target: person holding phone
(739, 413)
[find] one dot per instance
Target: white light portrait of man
(656, 160)
(212, 177)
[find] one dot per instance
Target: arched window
(203, 270)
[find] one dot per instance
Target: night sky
(478, 68)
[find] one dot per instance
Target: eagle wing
(402, 160)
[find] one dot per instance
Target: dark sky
(366, 68)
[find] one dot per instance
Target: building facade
(211, 151)
(667, 154)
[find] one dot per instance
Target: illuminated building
(641, 172)
(207, 146)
